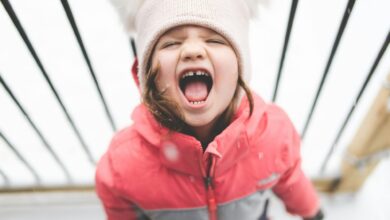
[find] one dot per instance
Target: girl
(203, 145)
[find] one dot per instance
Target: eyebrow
(178, 34)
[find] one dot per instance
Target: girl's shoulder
(274, 132)
(127, 151)
(127, 144)
(268, 118)
(269, 108)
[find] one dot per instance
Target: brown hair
(168, 113)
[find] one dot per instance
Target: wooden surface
(372, 138)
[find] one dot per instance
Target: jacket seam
(242, 197)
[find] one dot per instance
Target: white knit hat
(149, 19)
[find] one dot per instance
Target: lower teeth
(197, 102)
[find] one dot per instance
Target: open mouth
(196, 86)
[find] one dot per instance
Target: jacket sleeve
(116, 207)
(294, 188)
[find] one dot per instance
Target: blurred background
(66, 88)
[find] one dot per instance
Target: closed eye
(216, 41)
(169, 44)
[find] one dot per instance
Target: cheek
(227, 68)
(166, 75)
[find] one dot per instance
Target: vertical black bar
(37, 131)
(72, 21)
(285, 46)
(133, 47)
(343, 24)
(362, 89)
(264, 215)
(21, 158)
(22, 33)
(5, 178)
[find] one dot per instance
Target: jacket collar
(184, 153)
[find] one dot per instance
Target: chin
(199, 121)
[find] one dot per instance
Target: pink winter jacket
(150, 172)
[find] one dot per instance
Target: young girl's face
(198, 69)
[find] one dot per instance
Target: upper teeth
(197, 73)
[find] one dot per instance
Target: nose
(193, 51)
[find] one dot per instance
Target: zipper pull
(212, 204)
(208, 181)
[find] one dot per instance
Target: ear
(134, 73)
(127, 10)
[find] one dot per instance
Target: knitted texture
(230, 18)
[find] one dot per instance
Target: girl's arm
(297, 193)
(294, 188)
(116, 207)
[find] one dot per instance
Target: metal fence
(69, 180)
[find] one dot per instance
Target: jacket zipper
(212, 204)
(208, 181)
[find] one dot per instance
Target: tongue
(196, 91)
